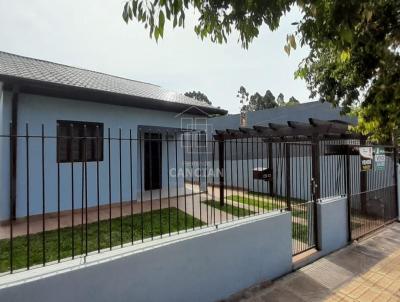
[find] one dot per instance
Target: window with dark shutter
(79, 141)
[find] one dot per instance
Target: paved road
(365, 271)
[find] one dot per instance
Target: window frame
(79, 125)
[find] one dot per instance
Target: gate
(301, 182)
(372, 191)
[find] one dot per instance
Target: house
(69, 132)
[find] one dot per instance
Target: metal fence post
(221, 171)
(396, 173)
(316, 171)
(270, 165)
(288, 182)
(348, 189)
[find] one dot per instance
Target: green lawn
(300, 232)
(271, 203)
(275, 198)
(151, 227)
(236, 211)
(267, 203)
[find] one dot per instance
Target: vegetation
(300, 232)
(354, 58)
(229, 208)
(152, 226)
(258, 102)
(269, 203)
(197, 95)
(258, 203)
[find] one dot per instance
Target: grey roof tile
(13, 65)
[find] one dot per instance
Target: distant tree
(197, 95)
(280, 100)
(292, 101)
(243, 97)
(268, 101)
(258, 102)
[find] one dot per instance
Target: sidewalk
(365, 271)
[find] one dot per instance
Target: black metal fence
(81, 189)
(78, 189)
(372, 193)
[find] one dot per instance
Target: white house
(117, 113)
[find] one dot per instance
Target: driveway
(364, 271)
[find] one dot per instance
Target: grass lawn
(271, 203)
(300, 232)
(267, 203)
(275, 198)
(230, 209)
(152, 226)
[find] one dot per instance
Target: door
(152, 161)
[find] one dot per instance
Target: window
(152, 161)
(73, 138)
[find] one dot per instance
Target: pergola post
(363, 185)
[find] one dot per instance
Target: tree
(354, 45)
(280, 100)
(243, 96)
(257, 102)
(197, 95)
(292, 101)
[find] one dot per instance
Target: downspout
(13, 152)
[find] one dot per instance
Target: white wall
(207, 266)
(332, 224)
(36, 110)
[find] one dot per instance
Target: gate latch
(314, 187)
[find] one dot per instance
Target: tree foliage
(257, 102)
(354, 45)
(197, 95)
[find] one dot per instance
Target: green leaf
(345, 56)
(346, 34)
(292, 41)
(125, 14)
(287, 49)
(161, 20)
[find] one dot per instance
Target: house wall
(36, 110)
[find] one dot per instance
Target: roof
(44, 77)
(280, 115)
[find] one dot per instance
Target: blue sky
(92, 35)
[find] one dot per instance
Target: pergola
(292, 131)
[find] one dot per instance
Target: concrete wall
(37, 110)
(332, 224)
(207, 265)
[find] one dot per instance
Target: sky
(91, 34)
